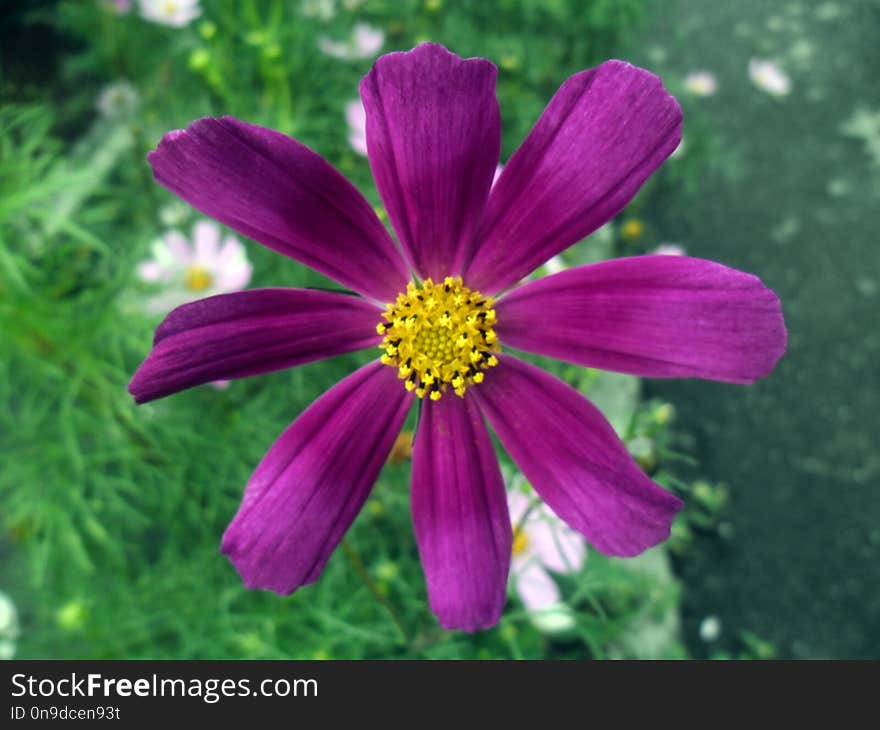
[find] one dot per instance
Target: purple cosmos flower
(441, 307)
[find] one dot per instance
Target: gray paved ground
(796, 201)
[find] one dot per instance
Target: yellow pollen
(198, 278)
(520, 542)
(439, 337)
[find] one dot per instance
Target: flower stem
(358, 564)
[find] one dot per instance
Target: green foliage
(112, 514)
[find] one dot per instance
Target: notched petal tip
(433, 131)
(427, 51)
(135, 387)
(246, 333)
(652, 316)
(666, 508)
(273, 582)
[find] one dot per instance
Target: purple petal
(460, 515)
(574, 460)
(251, 332)
(655, 316)
(311, 485)
(433, 138)
(275, 190)
(600, 137)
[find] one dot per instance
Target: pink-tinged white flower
(117, 100)
(356, 117)
(542, 545)
(365, 41)
(186, 271)
(769, 77)
(701, 83)
(670, 249)
(175, 13)
(434, 138)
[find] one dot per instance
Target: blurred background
(111, 514)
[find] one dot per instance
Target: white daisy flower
(186, 271)
(701, 83)
(769, 77)
(365, 41)
(542, 544)
(175, 13)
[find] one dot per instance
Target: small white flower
(769, 77)
(710, 628)
(356, 116)
(192, 271)
(176, 13)
(117, 100)
(542, 543)
(365, 41)
(670, 249)
(9, 628)
(320, 9)
(701, 83)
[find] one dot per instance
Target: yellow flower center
(439, 336)
(198, 278)
(520, 542)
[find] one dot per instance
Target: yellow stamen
(439, 337)
(198, 278)
(520, 542)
